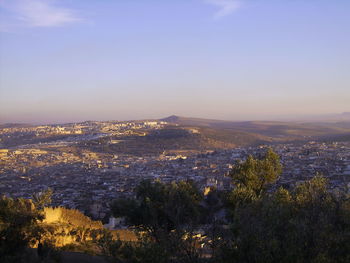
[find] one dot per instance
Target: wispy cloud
(226, 7)
(35, 13)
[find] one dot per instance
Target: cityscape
(84, 178)
(185, 131)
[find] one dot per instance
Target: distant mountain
(172, 119)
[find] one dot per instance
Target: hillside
(179, 139)
(275, 130)
(178, 134)
(183, 134)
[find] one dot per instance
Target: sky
(76, 60)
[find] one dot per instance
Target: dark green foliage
(143, 251)
(161, 207)
(166, 215)
(19, 228)
(255, 175)
(309, 224)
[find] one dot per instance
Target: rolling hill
(184, 134)
(269, 130)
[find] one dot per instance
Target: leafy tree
(308, 224)
(257, 174)
(160, 207)
(167, 213)
(252, 178)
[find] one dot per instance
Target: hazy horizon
(70, 61)
(332, 117)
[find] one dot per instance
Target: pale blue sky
(74, 60)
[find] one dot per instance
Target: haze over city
(65, 61)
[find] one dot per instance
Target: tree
(307, 224)
(167, 213)
(160, 207)
(19, 228)
(257, 174)
(252, 178)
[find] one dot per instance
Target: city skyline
(70, 61)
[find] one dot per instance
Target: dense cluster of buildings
(68, 134)
(89, 180)
(80, 128)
